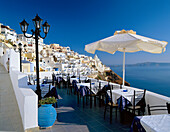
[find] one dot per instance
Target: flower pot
(46, 115)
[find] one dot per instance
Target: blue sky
(76, 23)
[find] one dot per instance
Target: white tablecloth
(65, 78)
(44, 88)
(58, 76)
(94, 88)
(71, 79)
(156, 123)
(77, 79)
(119, 92)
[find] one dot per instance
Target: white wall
(4, 59)
(14, 59)
(1, 51)
(26, 98)
(9, 34)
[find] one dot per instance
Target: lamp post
(36, 35)
(25, 47)
(20, 51)
(14, 47)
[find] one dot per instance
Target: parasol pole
(124, 68)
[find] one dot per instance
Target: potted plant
(46, 112)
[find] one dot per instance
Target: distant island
(143, 64)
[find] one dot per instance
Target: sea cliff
(110, 76)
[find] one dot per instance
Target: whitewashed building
(9, 33)
(30, 41)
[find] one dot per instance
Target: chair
(159, 108)
(58, 81)
(96, 94)
(53, 79)
(110, 103)
(87, 81)
(68, 85)
(90, 94)
(73, 76)
(138, 104)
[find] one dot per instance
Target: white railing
(26, 98)
(153, 99)
(44, 74)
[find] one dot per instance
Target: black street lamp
(20, 51)
(25, 47)
(14, 47)
(36, 35)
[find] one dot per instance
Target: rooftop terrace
(74, 118)
(19, 110)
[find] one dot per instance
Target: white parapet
(26, 98)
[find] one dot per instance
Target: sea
(152, 78)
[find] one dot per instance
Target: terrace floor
(74, 118)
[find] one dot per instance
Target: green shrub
(99, 77)
(49, 100)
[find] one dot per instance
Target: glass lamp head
(24, 26)
(20, 46)
(37, 21)
(14, 47)
(46, 27)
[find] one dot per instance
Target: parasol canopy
(126, 41)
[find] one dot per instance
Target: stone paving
(10, 119)
(74, 118)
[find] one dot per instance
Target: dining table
(152, 123)
(94, 86)
(87, 85)
(82, 79)
(124, 96)
(44, 88)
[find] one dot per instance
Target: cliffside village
(54, 57)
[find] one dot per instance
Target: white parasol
(126, 41)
